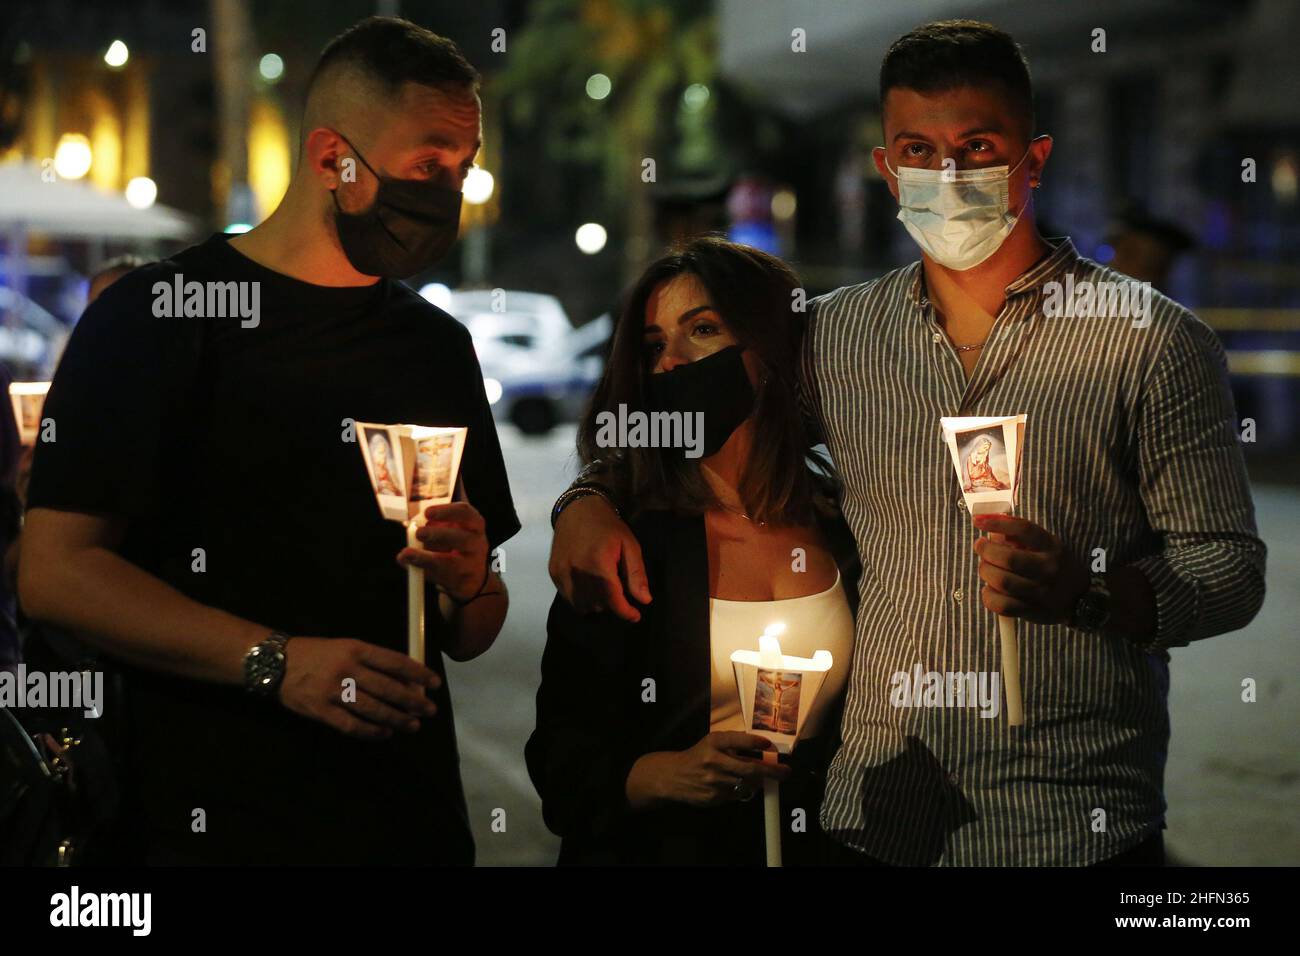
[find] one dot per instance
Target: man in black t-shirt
(205, 517)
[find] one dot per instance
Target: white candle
(1011, 670)
(769, 656)
(414, 601)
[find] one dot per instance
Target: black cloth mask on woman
(716, 385)
(410, 225)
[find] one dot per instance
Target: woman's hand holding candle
(709, 774)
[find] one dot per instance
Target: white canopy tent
(64, 209)
(69, 211)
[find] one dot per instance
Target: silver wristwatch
(264, 665)
(1092, 609)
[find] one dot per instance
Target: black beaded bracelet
(572, 494)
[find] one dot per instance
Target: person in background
(11, 454)
(110, 271)
(1146, 248)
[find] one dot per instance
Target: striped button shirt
(1131, 447)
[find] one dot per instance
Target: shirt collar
(1062, 256)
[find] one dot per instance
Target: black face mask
(410, 226)
(716, 385)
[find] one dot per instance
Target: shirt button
(961, 504)
(954, 779)
(957, 595)
(936, 338)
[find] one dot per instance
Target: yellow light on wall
(106, 146)
(72, 157)
(268, 156)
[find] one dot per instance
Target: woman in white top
(641, 752)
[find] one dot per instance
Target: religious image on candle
(986, 455)
(28, 398)
(434, 467)
(411, 466)
(778, 691)
(776, 702)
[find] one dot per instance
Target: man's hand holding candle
(455, 552)
(1026, 571)
(390, 687)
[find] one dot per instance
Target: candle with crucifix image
(777, 693)
(986, 454)
(411, 467)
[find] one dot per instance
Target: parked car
(538, 369)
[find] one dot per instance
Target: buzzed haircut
(391, 52)
(949, 54)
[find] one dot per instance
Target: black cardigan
(594, 718)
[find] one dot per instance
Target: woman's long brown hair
(754, 293)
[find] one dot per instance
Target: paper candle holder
(28, 399)
(986, 456)
(777, 691)
(411, 466)
(986, 453)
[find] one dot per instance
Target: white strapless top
(815, 622)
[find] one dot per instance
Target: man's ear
(323, 153)
(1039, 149)
(878, 155)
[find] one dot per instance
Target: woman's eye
(705, 328)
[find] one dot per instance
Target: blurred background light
(271, 67)
(117, 55)
(141, 192)
(590, 237)
(437, 293)
(598, 86)
(72, 157)
(478, 187)
(695, 96)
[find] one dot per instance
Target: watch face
(1091, 611)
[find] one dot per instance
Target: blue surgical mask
(958, 217)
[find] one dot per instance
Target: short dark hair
(395, 51)
(753, 292)
(948, 54)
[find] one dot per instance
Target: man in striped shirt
(1134, 530)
